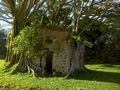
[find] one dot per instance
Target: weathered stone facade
(61, 47)
(60, 59)
(61, 53)
(57, 51)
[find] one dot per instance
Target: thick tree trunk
(76, 58)
(20, 20)
(11, 57)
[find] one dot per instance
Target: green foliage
(83, 40)
(28, 41)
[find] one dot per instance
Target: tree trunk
(76, 58)
(23, 62)
(11, 57)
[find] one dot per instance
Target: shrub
(29, 41)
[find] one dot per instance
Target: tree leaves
(27, 41)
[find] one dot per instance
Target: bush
(28, 41)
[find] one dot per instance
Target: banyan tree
(59, 24)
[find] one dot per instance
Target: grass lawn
(104, 77)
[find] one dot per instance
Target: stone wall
(61, 48)
(61, 59)
(57, 42)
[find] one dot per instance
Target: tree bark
(21, 17)
(11, 57)
(76, 58)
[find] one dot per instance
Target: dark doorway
(49, 62)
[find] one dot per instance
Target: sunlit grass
(104, 77)
(1, 63)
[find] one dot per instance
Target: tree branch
(6, 21)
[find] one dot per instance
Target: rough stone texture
(61, 49)
(61, 58)
(59, 43)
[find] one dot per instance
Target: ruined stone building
(57, 54)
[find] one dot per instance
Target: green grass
(103, 77)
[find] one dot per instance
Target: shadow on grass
(98, 76)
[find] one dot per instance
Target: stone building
(55, 56)
(60, 54)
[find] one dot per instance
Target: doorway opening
(49, 58)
